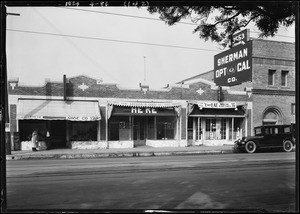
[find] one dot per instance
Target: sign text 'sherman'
(234, 66)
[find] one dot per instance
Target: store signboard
(241, 37)
(142, 111)
(234, 66)
(217, 105)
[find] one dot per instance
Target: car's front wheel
(287, 146)
(250, 147)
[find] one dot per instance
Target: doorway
(139, 131)
(58, 133)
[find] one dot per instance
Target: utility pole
(4, 117)
(3, 109)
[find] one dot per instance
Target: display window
(83, 131)
(165, 127)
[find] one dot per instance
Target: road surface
(263, 181)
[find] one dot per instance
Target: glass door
(210, 131)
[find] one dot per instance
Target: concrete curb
(114, 155)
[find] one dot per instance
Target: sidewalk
(142, 151)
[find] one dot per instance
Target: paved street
(229, 181)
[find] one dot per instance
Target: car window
(275, 130)
(267, 131)
(287, 129)
(257, 131)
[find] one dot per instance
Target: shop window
(198, 128)
(119, 128)
(271, 77)
(284, 78)
(165, 127)
(223, 129)
(84, 131)
(26, 127)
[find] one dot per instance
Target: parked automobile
(267, 137)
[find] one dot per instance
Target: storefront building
(81, 113)
(271, 91)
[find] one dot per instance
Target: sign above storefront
(135, 110)
(217, 105)
(234, 66)
(70, 118)
(143, 111)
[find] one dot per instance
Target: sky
(121, 45)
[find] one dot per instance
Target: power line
(148, 18)
(111, 40)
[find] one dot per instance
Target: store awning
(139, 104)
(58, 110)
(144, 104)
(215, 109)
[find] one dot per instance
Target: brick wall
(261, 69)
(261, 102)
(273, 49)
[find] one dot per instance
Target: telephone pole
(4, 117)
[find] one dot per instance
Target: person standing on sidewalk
(35, 140)
(48, 141)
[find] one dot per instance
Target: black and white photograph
(149, 106)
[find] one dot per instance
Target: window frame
(271, 71)
(284, 75)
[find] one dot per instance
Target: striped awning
(145, 104)
(58, 110)
(175, 106)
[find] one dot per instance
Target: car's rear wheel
(287, 146)
(250, 147)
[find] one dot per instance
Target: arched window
(271, 116)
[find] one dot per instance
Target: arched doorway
(272, 116)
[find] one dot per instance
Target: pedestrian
(35, 140)
(48, 142)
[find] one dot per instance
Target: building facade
(81, 112)
(272, 90)
(84, 113)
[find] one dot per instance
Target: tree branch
(228, 19)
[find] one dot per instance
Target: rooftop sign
(234, 66)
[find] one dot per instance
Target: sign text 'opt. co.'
(233, 66)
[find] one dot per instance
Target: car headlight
(243, 142)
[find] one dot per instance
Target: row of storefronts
(83, 113)
(126, 123)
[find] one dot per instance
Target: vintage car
(268, 137)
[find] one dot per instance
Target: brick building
(81, 112)
(272, 89)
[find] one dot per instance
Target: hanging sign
(234, 66)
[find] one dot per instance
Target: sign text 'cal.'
(234, 66)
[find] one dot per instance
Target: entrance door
(58, 133)
(139, 131)
(216, 129)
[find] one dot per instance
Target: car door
(268, 138)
